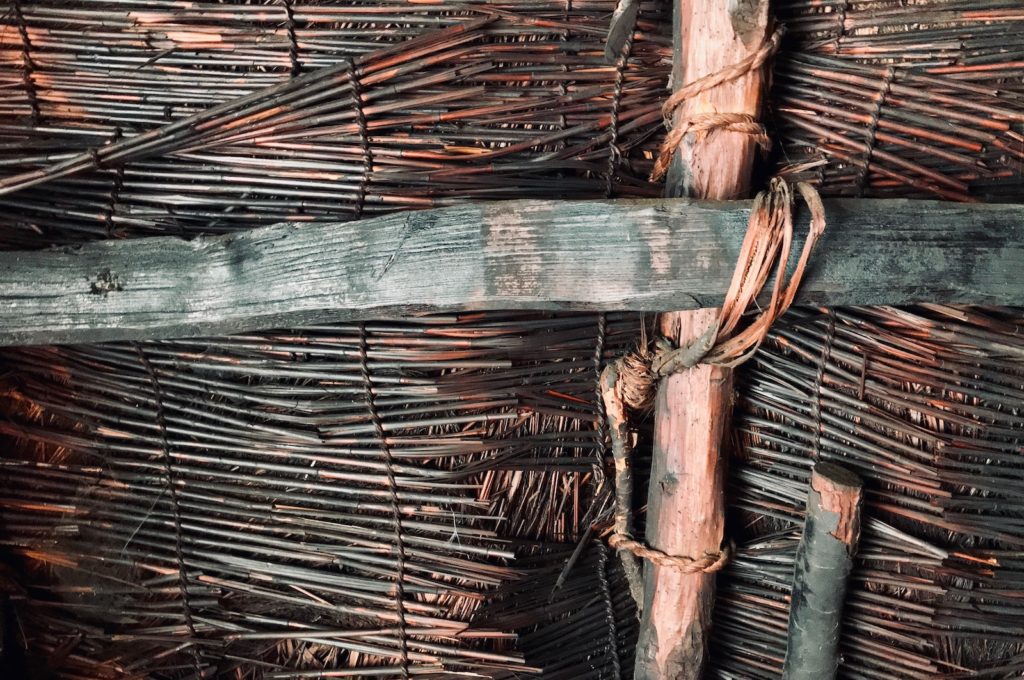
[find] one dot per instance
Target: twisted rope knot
(636, 380)
(708, 563)
(705, 123)
(766, 250)
(730, 341)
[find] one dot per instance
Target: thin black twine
(819, 380)
(293, 41)
(378, 426)
(872, 131)
(115, 191)
(161, 423)
(614, 153)
(612, 649)
(603, 440)
(562, 88)
(28, 65)
(364, 138)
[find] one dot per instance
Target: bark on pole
(823, 563)
(686, 503)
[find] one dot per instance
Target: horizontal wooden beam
(566, 255)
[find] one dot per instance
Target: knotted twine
(705, 123)
(732, 339)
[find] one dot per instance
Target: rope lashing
(765, 250)
(708, 563)
(629, 383)
(707, 122)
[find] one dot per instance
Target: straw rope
(708, 122)
(710, 562)
(765, 250)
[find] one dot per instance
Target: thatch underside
(283, 504)
(257, 464)
(924, 404)
(413, 498)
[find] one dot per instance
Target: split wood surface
(648, 255)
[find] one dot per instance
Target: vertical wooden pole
(685, 509)
(711, 35)
(686, 505)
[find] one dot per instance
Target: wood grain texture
(685, 508)
(824, 560)
(588, 255)
(686, 499)
(711, 35)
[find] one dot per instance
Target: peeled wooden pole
(686, 502)
(686, 509)
(823, 563)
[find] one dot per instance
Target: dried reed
(925, 405)
(163, 118)
(922, 99)
(228, 506)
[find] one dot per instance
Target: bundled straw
(154, 118)
(921, 99)
(924, 405)
(975, 40)
(339, 498)
(335, 501)
(581, 628)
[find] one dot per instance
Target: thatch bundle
(420, 498)
(893, 98)
(342, 497)
(178, 118)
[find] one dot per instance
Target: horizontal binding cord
(709, 563)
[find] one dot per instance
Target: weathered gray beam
(571, 255)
